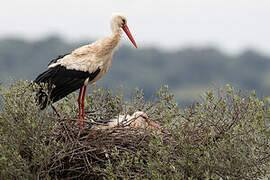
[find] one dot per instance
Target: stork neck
(109, 44)
(115, 38)
(117, 34)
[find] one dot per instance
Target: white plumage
(138, 119)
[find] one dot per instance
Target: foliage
(26, 133)
(225, 136)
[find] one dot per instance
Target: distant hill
(187, 71)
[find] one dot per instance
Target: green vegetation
(226, 135)
(188, 72)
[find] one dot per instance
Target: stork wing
(64, 81)
(84, 50)
(85, 62)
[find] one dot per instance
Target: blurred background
(186, 44)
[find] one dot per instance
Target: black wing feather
(61, 82)
(57, 58)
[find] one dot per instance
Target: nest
(88, 150)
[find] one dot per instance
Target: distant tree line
(187, 71)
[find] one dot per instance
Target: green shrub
(225, 136)
(27, 140)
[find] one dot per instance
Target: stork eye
(123, 21)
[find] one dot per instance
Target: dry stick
(88, 121)
(55, 111)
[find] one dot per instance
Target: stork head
(119, 21)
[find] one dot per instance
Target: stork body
(82, 67)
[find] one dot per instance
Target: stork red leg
(83, 97)
(79, 104)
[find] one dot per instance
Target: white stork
(82, 67)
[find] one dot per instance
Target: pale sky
(232, 25)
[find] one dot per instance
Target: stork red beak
(125, 28)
